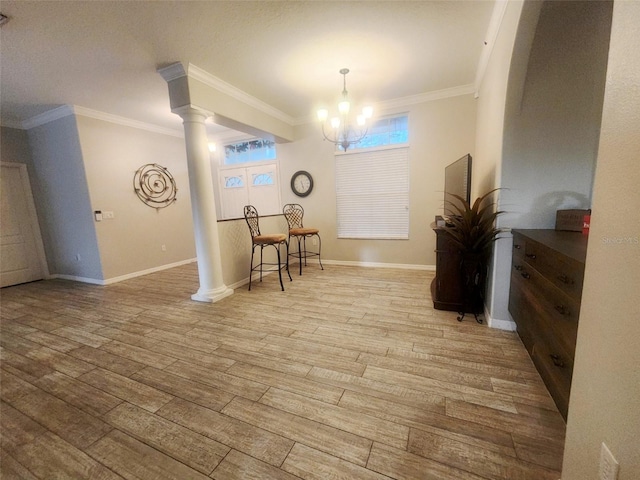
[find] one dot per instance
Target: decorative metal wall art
(155, 186)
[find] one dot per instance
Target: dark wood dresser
(544, 300)
(446, 287)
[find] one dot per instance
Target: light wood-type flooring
(348, 374)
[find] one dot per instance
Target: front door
(21, 252)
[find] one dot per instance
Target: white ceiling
(104, 55)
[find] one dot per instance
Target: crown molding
(495, 23)
(426, 97)
(410, 100)
(48, 116)
(214, 82)
(15, 124)
(66, 110)
(127, 122)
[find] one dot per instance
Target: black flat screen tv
(457, 181)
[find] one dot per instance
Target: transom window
(384, 132)
(255, 150)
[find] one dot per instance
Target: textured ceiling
(103, 55)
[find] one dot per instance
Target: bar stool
(294, 214)
(259, 240)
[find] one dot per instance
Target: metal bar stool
(258, 240)
(294, 214)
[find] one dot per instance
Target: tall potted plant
(472, 230)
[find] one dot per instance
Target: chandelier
(342, 132)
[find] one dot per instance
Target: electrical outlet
(107, 215)
(608, 464)
(163, 248)
(314, 241)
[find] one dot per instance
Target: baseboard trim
(405, 266)
(109, 281)
(499, 323)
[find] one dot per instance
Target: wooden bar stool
(259, 240)
(294, 214)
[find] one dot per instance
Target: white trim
(120, 278)
(214, 82)
(66, 110)
(48, 116)
(388, 105)
(426, 97)
(127, 122)
(402, 266)
(498, 323)
(15, 124)
(497, 16)
(73, 278)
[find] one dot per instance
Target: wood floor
(348, 374)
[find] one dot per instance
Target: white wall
(62, 200)
(131, 241)
(605, 392)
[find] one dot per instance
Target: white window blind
(372, 194)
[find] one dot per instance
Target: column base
(212, 296)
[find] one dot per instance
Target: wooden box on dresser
(544, 300)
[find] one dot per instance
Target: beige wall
(441, 131)
(605, 393)
(487, 164)
(131, 242)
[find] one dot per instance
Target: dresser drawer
(565, 273)
(556, 370)
(544, 300)
(519, 245)
(554, 310)
(521, 312)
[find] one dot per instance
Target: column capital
(191, 113)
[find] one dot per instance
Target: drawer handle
(517, 247)
(532, 256)
(525, 275)
(566, 280)
(556, 360)
(562, 310)
(518, 267)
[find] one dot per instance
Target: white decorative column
(203, 207)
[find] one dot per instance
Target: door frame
(33, 216)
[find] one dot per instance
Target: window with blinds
(372, 193)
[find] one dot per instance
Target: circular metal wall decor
(155, 186)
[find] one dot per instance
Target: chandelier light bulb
(346, 133)
(323, 114)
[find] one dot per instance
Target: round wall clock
(302, 183)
